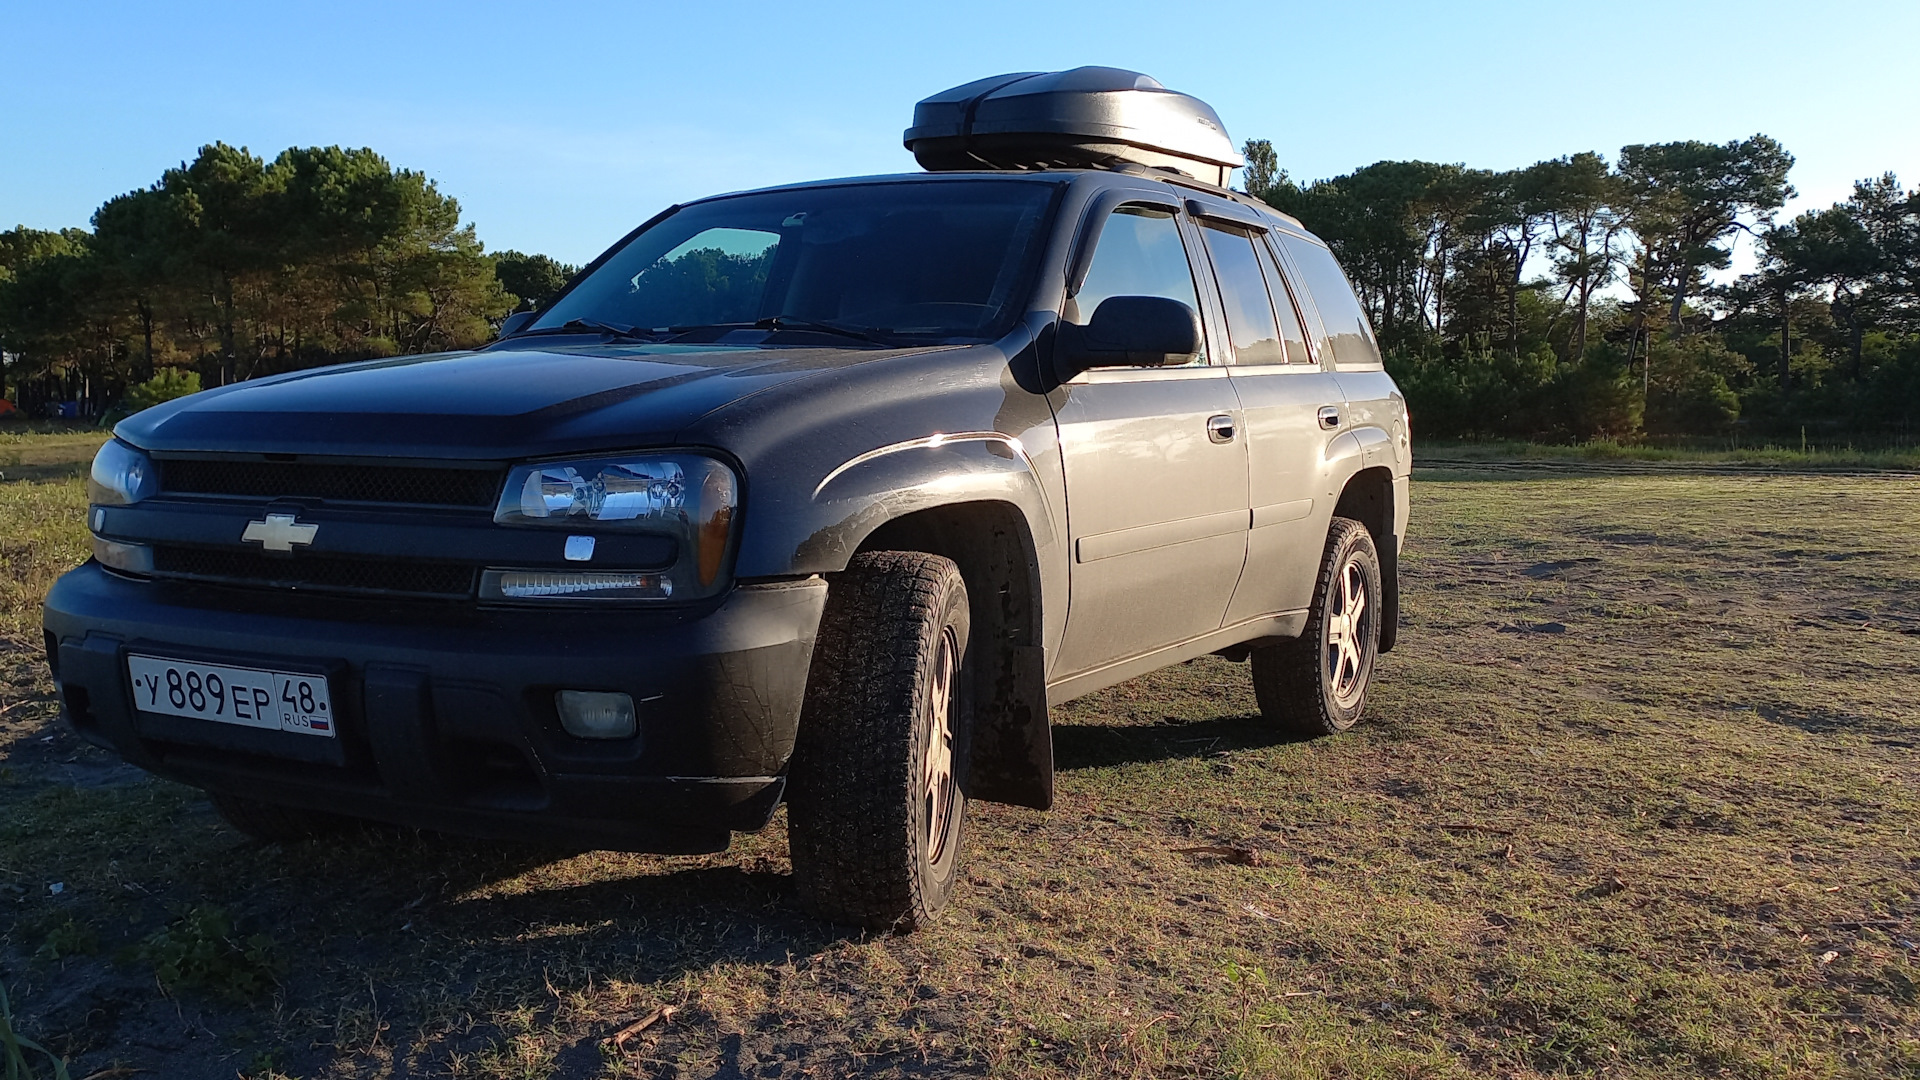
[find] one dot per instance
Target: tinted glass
(939, 259)
(1250, 323)
(1283, 306)
(1348, 333)
(1139, 254)
(715, 276)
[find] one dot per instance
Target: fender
(890, 482)
(1348, 455)
(1379, 451)
(975, 496)
(951, 451)
(831, 458)
(1345, 456)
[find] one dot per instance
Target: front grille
(346, 483)
(450, 580)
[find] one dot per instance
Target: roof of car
(1053, 176)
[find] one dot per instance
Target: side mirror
(516, 322)
(1129, 331)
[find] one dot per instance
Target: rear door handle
(1329, 417)
(1220, 428)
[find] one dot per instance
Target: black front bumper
(445, 712)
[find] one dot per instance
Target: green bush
(166, 384)
(70, 937)
(1890, 398)
(1689, 386)
(200, 950)
(1597, 398)
(1485, 394)
(1474, 395)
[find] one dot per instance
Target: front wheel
(1317, 683)
(875, 805)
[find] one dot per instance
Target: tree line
(231, 266)
(1572, 298)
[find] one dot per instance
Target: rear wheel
(875, 802)
(273, 822)
(1317, 683)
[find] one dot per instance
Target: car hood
(490, 405)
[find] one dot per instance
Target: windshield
(947, 259)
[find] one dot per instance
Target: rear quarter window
(1349, 335)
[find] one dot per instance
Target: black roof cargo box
(1087, 117)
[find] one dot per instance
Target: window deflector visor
(1094, 222)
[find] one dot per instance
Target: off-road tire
(275, 823)
(1295, 682)
(859, 818)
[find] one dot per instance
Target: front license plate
(251, 697)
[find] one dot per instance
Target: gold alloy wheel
(936, 786)
(1349, 623)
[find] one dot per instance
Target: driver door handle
(1220, 428)
(1329, 417)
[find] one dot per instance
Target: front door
(1156, 471)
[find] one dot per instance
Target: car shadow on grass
(477, 890)
(1095, 746)
(458, 936)
(655, 921)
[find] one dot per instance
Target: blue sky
(561, 126)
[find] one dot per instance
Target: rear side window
(1284, 306)
(1139, 254)
(1348, 333)
(1243, 288)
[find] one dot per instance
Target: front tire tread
(852, 804)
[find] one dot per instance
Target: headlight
(121, 476)
(691, 498)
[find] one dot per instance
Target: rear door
(1375, 411)
(1156, 474)
(1286, 394)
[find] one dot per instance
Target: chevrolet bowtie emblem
(279, 532)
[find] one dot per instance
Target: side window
(1284, 305)
(1140, 254)
(1348, 333)
(1250, 322)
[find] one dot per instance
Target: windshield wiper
(783, 322)
(575, 326)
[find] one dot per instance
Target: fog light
(126, 558)
(590, 715)
(574, 584)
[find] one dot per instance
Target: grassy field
(46, 451)
(1785, 458)
(1636, 797)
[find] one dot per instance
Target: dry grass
(46, 452)
(1636, 798)
(1891, 456)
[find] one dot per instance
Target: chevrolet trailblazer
(817, 495)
